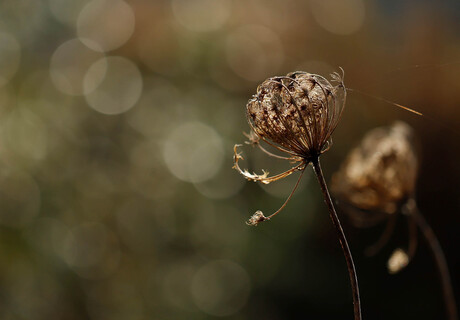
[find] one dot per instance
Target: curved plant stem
(342, 239)
(384, 238)
(433, 243)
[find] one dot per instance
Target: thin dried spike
(387, 101)
(263, 178)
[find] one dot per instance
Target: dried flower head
(378, 178)
(296, 114)
(379, 174)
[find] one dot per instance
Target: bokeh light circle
(341, 17)
(220, 288)
(225, 184)
(162, 48)
(69, 65)
(26, 133)
(254, 52)
(19, 198)
(85, 245)
(107, 23)
(175, 283)
(201, 15)
(67, 11)
(193, 152)
(120, 88)
(10, 56)
(91, 250)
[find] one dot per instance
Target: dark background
(117, 122)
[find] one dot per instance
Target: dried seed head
(256, 218)
(297, 113)
(398, 261)
(380, 174)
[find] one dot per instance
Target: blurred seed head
(398, 261)
(379, 174)
(297, 112)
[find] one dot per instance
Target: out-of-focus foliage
(117, 122)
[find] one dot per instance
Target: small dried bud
(380, 174)
(256, 218)
(297, 113)
(398, 261)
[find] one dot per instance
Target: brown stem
(342, 239)
(433, 243)
(384, 238)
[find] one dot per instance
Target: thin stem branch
(289, 198)
(373, 249)
(413, 239)
(433, 243)
(342, 239)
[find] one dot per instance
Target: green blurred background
(117, 122)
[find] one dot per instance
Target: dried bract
(380, 174)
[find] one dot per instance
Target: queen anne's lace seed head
(380, 174)
(297, 113)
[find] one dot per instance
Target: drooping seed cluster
(297, 113)
(379, 174)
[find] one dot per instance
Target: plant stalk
(342, 239)
(436, 250)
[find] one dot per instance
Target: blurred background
(117, 122)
